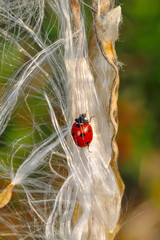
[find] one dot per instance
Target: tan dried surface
(107, 49)
(5, 195)
(76, 15)
(77, 214)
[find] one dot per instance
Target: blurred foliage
(139, 111)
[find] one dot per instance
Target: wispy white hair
(67, 192)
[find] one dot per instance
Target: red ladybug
(82, 132)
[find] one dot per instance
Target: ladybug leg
(89, 149)
(91, 118)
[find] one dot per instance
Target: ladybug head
(81, 119)
(83, 115)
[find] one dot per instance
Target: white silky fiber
(63, 192)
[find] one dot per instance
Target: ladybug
(81, 131)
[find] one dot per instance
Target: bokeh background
(139, 112)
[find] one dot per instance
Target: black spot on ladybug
(72, 134)
(78, 125)
(82, 134)
(90, 130)
(87, 142)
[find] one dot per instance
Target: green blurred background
(139, 111)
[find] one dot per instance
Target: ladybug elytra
(82, 132)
